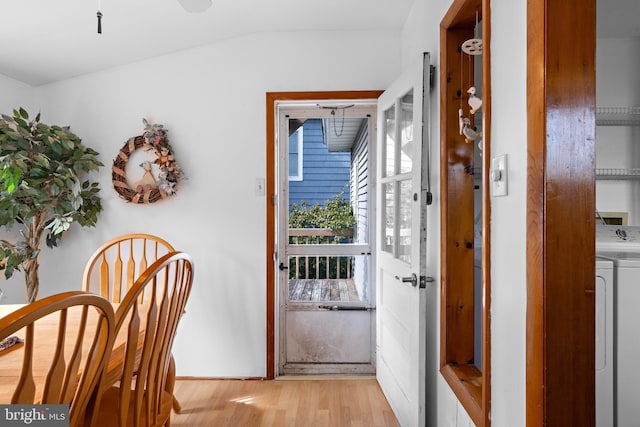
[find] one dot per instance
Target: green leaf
(55, 146)
(21, 122)
(41, 161)
(10, 177)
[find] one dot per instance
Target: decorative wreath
(149, 188)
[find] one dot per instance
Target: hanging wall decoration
(145, 170)
(471, 47)
(475, 102)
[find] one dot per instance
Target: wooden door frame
(560, 350)
(272, 99)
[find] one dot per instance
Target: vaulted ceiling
(43, 41)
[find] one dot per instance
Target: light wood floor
(283, 402)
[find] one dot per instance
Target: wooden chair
(114, 267)
(64, 370)
(150, 312)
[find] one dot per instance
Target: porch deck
(315, 290)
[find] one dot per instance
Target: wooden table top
(46, 337)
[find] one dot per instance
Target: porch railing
(320, 267)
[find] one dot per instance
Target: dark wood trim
(466, 383)
(471, 386)
(271, 99)
(535, 218)
(271, 234)
(560, 212)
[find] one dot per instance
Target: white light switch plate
(259, 187)
(498, 176)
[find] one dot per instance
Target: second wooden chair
(115, 266)
(150, 313)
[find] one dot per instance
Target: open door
(326, 296)
(402, 199)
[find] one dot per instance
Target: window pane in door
(404, 241)
(388, 221)
(295, 155)
(406, 132)
(390, 143)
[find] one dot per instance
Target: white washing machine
(621, 245)
(604, 343)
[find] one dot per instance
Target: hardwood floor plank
(308, 290)
(351, 288)
(326, 293)
(317, 290)
(335, 292)
(296, 402)
(344, 292)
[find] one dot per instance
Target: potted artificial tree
(43, 190)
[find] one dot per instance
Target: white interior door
(402, 195)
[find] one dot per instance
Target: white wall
(14, 94)
(508, 276)
(508, 214)
(618, 85)
(212, 101)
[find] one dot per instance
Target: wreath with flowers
(160, 175)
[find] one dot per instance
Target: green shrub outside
(336, 215)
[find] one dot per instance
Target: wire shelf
(618, 173)
(618, 116)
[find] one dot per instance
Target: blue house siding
(324, 174)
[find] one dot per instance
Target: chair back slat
(55, 377)
(144, 262)
(131, 266)
(128, 369)
(25, 389)
(71, 377)
(117, 278)
(104, 276)
(64, 371)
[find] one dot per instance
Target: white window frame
(300, 175)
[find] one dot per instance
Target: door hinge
(432, 76)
